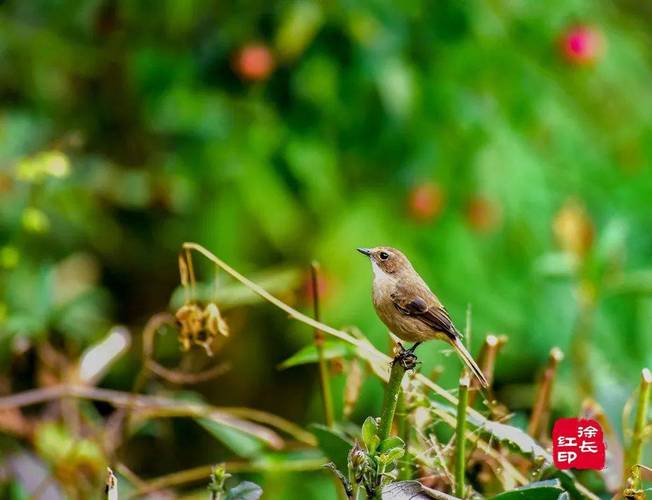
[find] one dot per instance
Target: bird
(411, 311)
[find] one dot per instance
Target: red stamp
(578, 444)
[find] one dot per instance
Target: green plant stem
(403, 429)
(460, 435)
(391, 400)
(634, 454)
(324, 377)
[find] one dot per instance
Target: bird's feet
(406, 358)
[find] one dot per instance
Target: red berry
(425, 202)
(582, 45)
(254, 62)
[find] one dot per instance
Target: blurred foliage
(504, 146)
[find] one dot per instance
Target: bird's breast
(403, 326)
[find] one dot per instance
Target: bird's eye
(384, 256)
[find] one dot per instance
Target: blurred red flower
(483, 214)
(425, 202)
(582, 45)
(254, 62)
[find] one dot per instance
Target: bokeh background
(505, 147)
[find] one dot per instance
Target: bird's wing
(423, 305)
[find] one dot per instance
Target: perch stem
(391, 400)
(403, 430)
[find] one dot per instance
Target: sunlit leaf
(369, 430)
(240, 443)
(542, 490)
(308, 354)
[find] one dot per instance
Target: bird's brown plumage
(409, 308)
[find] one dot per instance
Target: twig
(460, 434)
(634, 453)
(324, 377)
(542, 399)
(157, 406)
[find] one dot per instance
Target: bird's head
(387, 260)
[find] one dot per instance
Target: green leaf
(240, 443)
(373, 444)
(308, 354)
(391, 455)
(334, 444)
(369, 430)
(542, 490)
(392, 442)
(246, 490)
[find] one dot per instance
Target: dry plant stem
(460, 435)
(487, 361)
(174, 376)
(391, 400)
(378, 361)
(152, 406)
(324, 378)
(542, 399)
(634, 453)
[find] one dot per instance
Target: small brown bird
(408, 307)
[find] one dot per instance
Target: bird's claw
(406, 358)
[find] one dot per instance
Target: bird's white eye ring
(384, 256)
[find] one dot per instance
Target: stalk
(542, 400)
(391, 400)
(324, 378)
(403, 429)
(111, 485)
(460, 435)
(635, 451)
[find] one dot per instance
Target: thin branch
(155, 406)
(324, 376)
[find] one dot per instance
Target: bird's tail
(469, 361)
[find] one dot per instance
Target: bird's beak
(365, 251)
